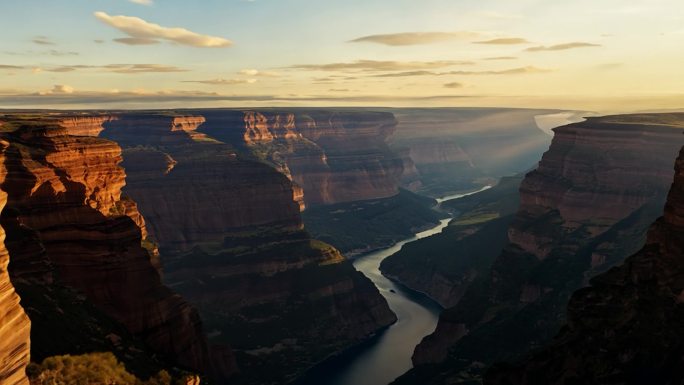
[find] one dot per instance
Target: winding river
(387, 355)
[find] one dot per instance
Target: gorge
(140, 233)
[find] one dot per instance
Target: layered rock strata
(73, 228)
(333, 156)
(232, 242)
(14, 324)
(586, 207)
(626, 328)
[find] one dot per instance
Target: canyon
(228, 224)
(626, 327)
(586, 207)
(140, 232)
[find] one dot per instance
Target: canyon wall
(80, 249)
(461, 149)
(333, 156)
(626, 328)
(232, 242)
(14, 324)
(585, 208)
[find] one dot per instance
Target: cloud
(453, 85)
(136, 41)
(504, 41)
(138, 28)
(140, 68)
(415, 38)
(114, 68)
(142, 2)
(42, 40)
(501, 58)
(510, 71)
(222, 82)
(375, 65)
(62, 89)
(11, 67)
(99, 41)
(52, 52)
(562, 47)
(255, 72)
(108, 99)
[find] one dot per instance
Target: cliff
(333, 156)
(626, 328)
(79, 246)
(14, 324)
(585, 208)
(461, 149)
(232, 242)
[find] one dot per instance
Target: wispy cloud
(113, 68)
(501, 58)
(504, 41)
(378, 65)
(42, 40)
(510, 71)
(562, 47)
(57, 96)
(416, 38)
(136, 40)
(140, 30)
(142, 2)
(453, 85)
(52, 52)
(222, 82)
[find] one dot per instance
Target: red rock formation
(185, 183)
(14, 324)
(232, 243)
(334, 156)
(626, 328)
(68, 190)
(592, 198)
(83, 125)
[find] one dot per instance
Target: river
(387, 355)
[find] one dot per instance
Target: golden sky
(600, 55)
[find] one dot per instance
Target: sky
(596, 55)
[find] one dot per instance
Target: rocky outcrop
(65, 192)
(586, 207)
(14, 324)
(462, 149)
(232, 242)
(334, 156)
(626, 328)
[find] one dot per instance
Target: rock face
(626, 328)
(334, 156)
(232, 242)
(70, 218)
(14, 324)
(586, 207)
(459, 149)
(445, 265)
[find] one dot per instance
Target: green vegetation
(465, 249)
(90, 369)
(361, 226)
